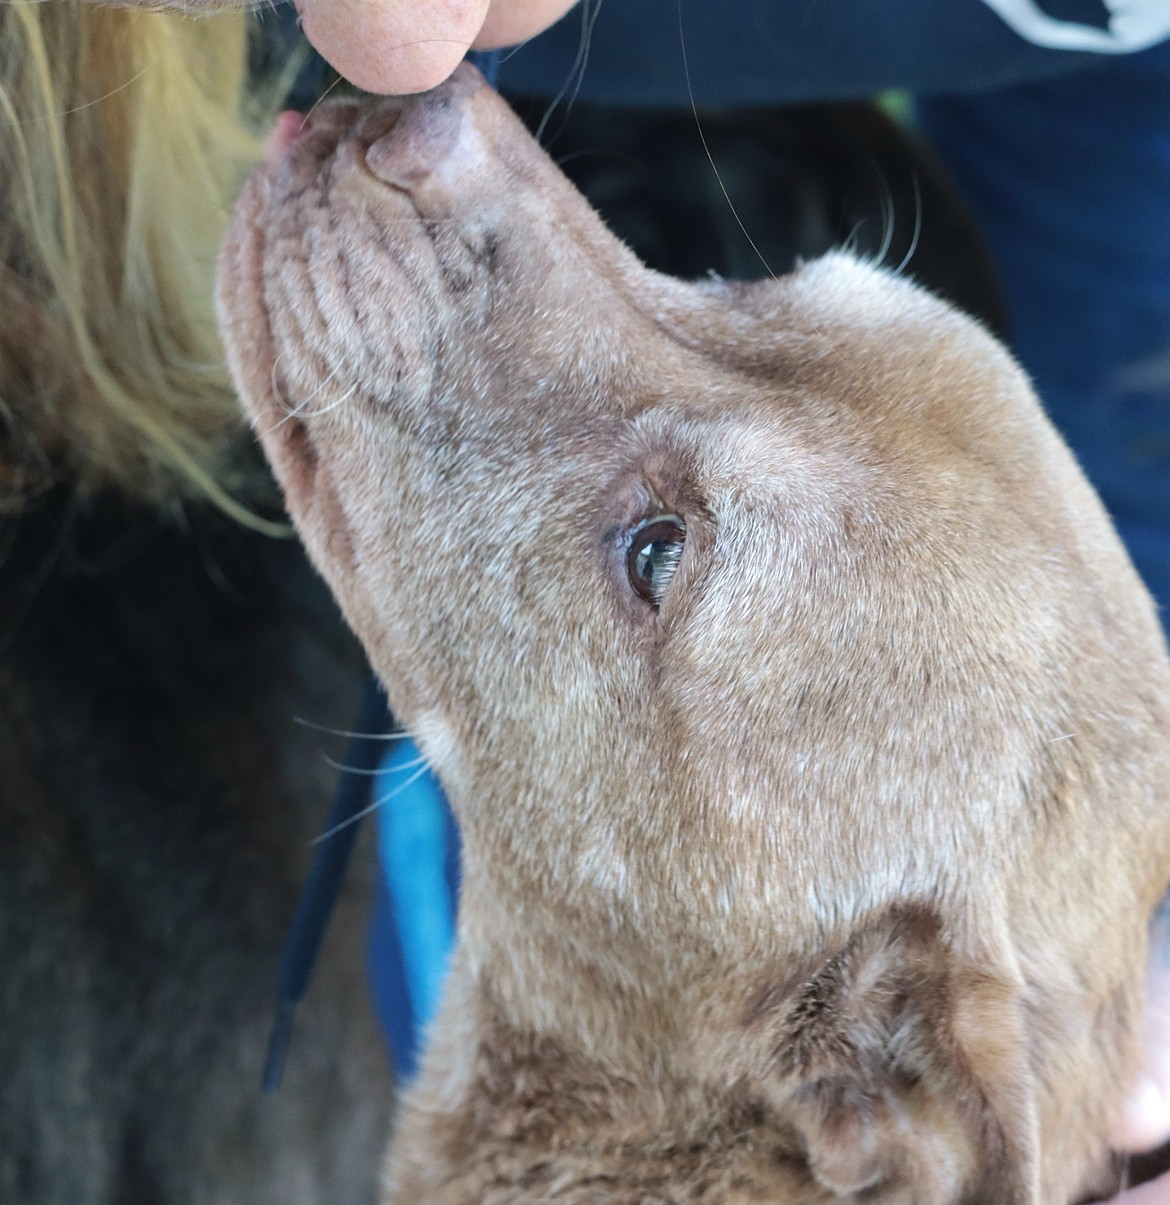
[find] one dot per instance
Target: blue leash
(420, 857)
(321, 889)
(488, 62)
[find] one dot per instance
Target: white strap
(1133, 25)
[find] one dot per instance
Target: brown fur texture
(827, 878)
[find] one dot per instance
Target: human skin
(393, 46)
(1146, 1122)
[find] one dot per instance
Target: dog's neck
(558, 1065)
(563, 1050)
(585, 980)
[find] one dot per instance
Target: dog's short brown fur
(828, 877)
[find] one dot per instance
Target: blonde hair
(123, 141)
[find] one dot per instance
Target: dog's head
(786, 676)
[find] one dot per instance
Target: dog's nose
(433, 131)
(329, 122)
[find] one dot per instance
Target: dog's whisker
(302, 411)
(414, 763)
(917, 228)
(317, 103)
(707, 150)
(576, 74)
(370, 807)
(296, 411)
(852, 241)
(89, 104)
(283, 405)
(888, 219)
(398, 735)
(397, 790)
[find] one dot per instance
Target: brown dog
(808, 728)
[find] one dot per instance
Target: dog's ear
(904, 1073)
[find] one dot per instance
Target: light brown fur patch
(826, 879)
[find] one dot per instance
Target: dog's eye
(655, 551)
